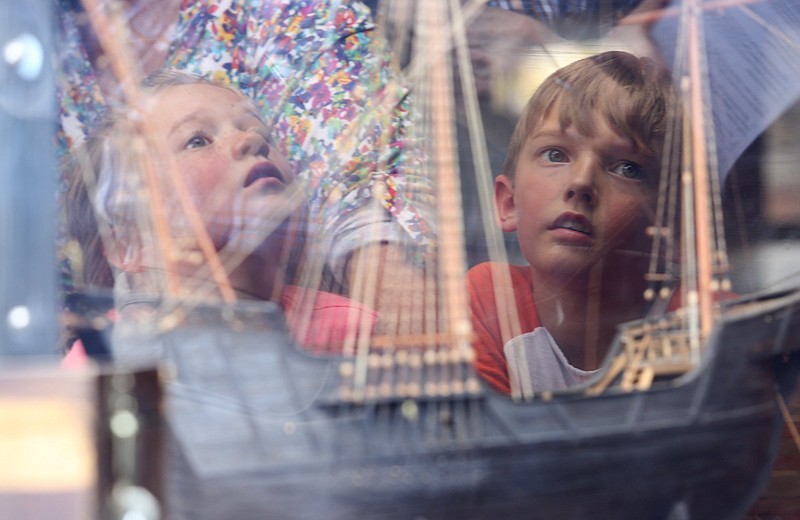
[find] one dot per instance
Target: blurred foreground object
(27, 174)
(79, 444)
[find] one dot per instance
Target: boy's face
(576, 200)
(212, 141)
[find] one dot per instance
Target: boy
(577, 187)
(216, 179)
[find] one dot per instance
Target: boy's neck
(582, 313)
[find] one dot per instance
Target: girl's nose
(250, 143)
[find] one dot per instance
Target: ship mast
(704, 247)
(672, 345)
(699, 292)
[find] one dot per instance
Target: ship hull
(698, 446)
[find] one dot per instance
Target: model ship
(681, 421)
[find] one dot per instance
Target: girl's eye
(554, 155)
(197, 141)
(629, 170)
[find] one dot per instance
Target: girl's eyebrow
(255, 115)
(244, 106)
(197, 115)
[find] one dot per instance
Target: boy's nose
(250, 143)
(582, 185)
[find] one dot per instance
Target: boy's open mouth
(573, 222)
(263, 170)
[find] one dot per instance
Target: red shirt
(490, 360)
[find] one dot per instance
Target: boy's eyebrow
(548, 133)
(553, 134)
(642, 154)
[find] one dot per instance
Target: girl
(195, 206)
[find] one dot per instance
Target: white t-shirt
(536, 364)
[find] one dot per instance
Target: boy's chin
(578, 264)
(571, 259)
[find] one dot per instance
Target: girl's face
(209, 138)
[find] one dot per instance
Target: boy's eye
(197, 141)
(554, 155)
(629, 170)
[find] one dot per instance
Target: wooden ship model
(682, 420)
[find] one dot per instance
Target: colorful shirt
(326, 85)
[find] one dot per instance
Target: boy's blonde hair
(633, 95)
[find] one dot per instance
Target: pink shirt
(319, 321)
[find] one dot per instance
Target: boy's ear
(504, 207)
